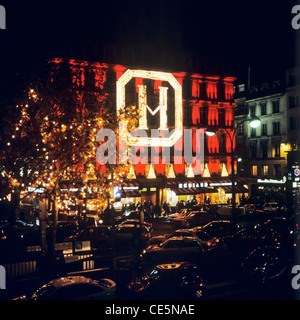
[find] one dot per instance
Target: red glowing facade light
(207, 101)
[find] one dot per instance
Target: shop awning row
(193, 191)
(130, 190)
(212, 182)
(190, 187)
(130, 194)
(238, 189)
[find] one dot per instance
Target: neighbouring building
(263, 151)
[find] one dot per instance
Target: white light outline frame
(153, 75)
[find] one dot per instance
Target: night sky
(229, 34)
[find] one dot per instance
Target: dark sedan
(179, 280)
(269, 265)
(74, 288)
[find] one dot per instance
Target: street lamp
(211, 130)
(254, 122)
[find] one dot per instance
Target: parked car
(280, 224)
(174, 249)
(64, 229)
(271, 207)
(179, 280)
(74, 288)
(195, 218)
(219, 228)
(253, 208)
(283, 227)
(207, 241)
(248, 239)
(266, 266)
(226, 211)
(128, 232)
(91, 220)
(99, 236)
(131, 215)
(148, 225)
(181, 213)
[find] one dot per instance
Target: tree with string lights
(50, 138)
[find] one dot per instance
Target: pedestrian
(177, 206)
(151, 209)
(165, 207)
(157, 210)
(170, 208)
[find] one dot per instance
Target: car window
(191, 244)
(257, 258)
(173, 244)
(203, 235)
(191, 214)
(43, 292)
(210, 228)
(181, 234)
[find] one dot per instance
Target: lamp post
(210, 131)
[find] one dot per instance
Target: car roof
(133, 221)
(130, 225)
(185, 230)
(101, 226)
(183, 238)
(66, 281)
(214, 222)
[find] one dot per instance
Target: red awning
(130, 190)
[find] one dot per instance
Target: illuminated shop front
(168, 104)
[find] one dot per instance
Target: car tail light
(213, 243)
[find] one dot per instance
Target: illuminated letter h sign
(176, 134)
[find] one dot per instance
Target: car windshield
(173, 243)
(203, 235)
(43, 292)
(191, 214)
(155, 275)
(257, 259)
(182, 234)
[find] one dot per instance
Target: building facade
(171, 103)
(264, 150)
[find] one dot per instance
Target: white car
(74, 288)
(181, 213)
(174, 249)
